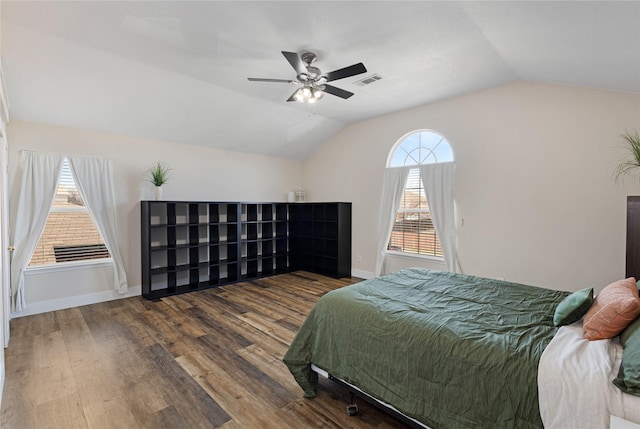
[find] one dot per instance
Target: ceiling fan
(313, 81)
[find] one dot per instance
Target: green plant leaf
(158, 174)
(632, 142)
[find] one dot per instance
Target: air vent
(368, 80)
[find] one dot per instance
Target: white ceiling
(177, 71)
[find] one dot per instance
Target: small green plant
(632, 142)
(158, 174)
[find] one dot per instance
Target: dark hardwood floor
(199, 360)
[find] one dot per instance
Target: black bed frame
(352, 408)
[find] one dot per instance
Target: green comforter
(450, 350)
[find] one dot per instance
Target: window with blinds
(70, 233)
(413, 231)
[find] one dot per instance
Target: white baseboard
(94, 298)
(362, 274)
(75, 301)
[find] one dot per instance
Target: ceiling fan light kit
(309, 94)
(313, 81)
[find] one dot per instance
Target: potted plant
(158, 175)
(632, 143)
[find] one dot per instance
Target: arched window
(413, 230)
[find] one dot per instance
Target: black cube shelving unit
(189, 246)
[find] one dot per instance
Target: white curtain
(94, 180)
(438, 182)
(39, 177)
(395, 180)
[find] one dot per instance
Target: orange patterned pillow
(613, 310)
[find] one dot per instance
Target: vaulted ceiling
(177, 71)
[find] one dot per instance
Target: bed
(446, 350)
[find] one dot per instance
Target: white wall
(198, 173)
(534, 180)
(534, 184)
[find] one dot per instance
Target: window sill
(67, 266)
(404, 255)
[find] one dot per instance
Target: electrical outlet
(359, 259)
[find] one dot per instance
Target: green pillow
(573, 307)
(628, 379)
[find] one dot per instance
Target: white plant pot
(157, 193)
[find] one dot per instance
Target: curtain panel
(394, 181)
(37, 188)
(438, 183)
(94, 180)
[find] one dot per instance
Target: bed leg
(352, 408)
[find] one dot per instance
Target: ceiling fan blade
(346, 72)
(293, 96)
(257, 79)
(337, 91)
(295, 61)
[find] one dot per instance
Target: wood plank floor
(199, 360)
